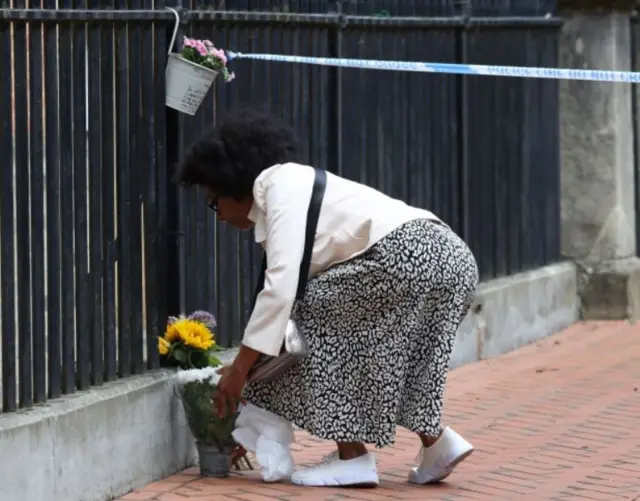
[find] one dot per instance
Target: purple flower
(204, 317)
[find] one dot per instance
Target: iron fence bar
(635, 96)
(53, 218)
(169, 215)
(122, 15)
(21, 153)
(97, 140)
(335, 89)
(166, 269)
(463, 134)
(84, 15)
(37, 173)
(109, 175)
(7, 227)
(136, 155)
(124, 202)
(65, 49)
(83, 301)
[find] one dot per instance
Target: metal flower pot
(214, 462)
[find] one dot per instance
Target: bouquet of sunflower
(189, 343)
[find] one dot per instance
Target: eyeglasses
(213, 204)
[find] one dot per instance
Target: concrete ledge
(100, 444)
(517, 310)
(95, 445)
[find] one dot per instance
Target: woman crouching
(388, 286)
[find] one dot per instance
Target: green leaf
(202, 416)
(199, 359)
(179, 354)
(214, 361)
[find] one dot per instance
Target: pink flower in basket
(219, 53)
(204, 53)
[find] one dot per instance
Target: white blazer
(353, 217)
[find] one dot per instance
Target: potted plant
(191, 72)
(189, 343)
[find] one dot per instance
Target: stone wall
(598, 163)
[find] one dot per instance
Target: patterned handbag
(295, 346)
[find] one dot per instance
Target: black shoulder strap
(313, 214)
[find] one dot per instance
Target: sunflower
(172, 333)
(192, 333)
(163, 346)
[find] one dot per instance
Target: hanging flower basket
(191, 72)
(187, 84)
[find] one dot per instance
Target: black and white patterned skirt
(381, 328)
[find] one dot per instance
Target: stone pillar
(597, 142)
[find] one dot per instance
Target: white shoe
(438, 461)
(333, 471)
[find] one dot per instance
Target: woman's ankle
(429, 440)
(351, 450)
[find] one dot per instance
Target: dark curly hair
(230, 157)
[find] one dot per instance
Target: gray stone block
(610, 290)
(597, 210)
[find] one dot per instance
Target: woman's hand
(233, 379)
(230, 389)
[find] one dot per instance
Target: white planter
(187, 84)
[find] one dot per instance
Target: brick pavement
(558, 420)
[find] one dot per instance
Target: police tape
(449, 68)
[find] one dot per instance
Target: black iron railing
(98, 246)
